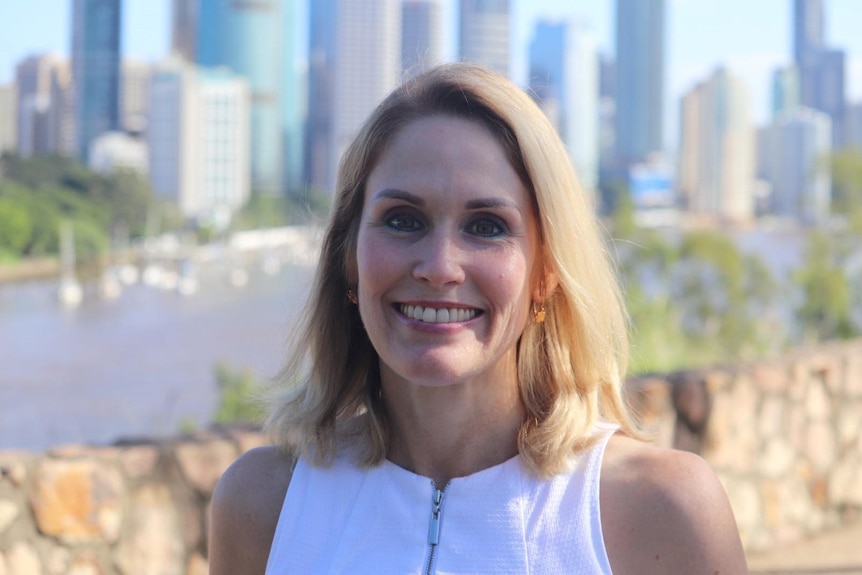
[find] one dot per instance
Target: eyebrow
(390, 194)
(479, 204)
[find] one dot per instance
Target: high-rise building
(293, 100)
(33, 79)
(785, 89)
(797, 140)
(354, 62)
(821, 69)
(8, 118)
(640, 80)
(248, 38)
(484, 33)
(421, 35)
(61, 112)
(135, 95)
(95, 69)
(184, 20)
(199, 138)
(717, 149)
(564, 78)
(45, 122)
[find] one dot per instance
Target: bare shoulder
(665, 511)
(246, 505)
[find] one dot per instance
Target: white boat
(69, 292)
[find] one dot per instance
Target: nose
(439, 260)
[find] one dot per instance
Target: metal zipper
(434, 525)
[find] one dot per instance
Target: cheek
(510, 282)
(375, 264)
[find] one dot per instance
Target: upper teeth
(432, 315)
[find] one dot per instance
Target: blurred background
(165, 166)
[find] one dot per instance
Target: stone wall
(136, 508)
(785, 437)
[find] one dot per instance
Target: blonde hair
(570, 367)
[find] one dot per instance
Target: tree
(825, 311)
(238, 396)
(16, 227)
(846, 169)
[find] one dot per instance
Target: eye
(402, 222)
(486, 227)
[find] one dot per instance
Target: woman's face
(446, 251)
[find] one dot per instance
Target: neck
(453, 430)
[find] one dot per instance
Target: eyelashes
(482, 225)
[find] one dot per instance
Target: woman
(459, 405)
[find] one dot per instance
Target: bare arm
(245, 510)
(666, 512)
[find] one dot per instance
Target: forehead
(448, 153)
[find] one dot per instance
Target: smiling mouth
(437, 315)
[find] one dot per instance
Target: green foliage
(263, 212)
(238, 396)
(846, 168)
(623, 217)
(826, 308)
(16, 226)
(695, 300)
(51, 189)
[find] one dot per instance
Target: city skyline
(697, 39)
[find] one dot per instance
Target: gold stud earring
(539, 312)
(351, 296)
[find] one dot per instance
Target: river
(141, 364)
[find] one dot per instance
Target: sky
(750, 37)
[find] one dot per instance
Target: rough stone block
(58, 561)
(203, 463)
(85, 566)
(849, 427)
(853, 373)
(845, 484)
(247, 439)
(22, 558)
(818, 405)
(9, 512)
(770, 377)
(746, 503)
(198, 565)
(691, 401)
(153, 544)
(139, 461)
(13, 466)
(777, 459)
(820, 447)
(77, 501)
(772, 420)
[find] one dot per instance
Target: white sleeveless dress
(344, 519)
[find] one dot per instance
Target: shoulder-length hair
(570, 367)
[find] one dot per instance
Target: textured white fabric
(342, 519)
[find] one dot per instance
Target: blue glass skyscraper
(821, 69)
(293, 103)
(564, 77)
(640, 80)
(248, 38)
(95, 70)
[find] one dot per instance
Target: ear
(546, 285)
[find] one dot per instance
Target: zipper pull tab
(434, 525)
